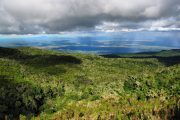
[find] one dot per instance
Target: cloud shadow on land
(24, 98)
(19, 98)
(166, 60)
(40, 61)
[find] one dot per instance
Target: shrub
(23, 97)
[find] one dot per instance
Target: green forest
(43, 84)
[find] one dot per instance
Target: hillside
(36, 83)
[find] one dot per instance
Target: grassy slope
(133, 86)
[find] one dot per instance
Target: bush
(22, 97)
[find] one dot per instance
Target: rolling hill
(44, 84)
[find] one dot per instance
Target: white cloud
(54, 16)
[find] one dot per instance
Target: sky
(58, 16)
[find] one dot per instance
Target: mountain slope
(54, 85)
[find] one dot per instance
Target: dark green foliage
(82, 81)
(19, 98)
(173, 57)
(52, 92)
(7, 52)
(39, 60)
(22, 97)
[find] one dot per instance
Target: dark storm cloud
(53, 16)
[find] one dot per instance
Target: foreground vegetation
(43, 84)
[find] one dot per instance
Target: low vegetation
(44, 84)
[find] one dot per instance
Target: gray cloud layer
(53, 16)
